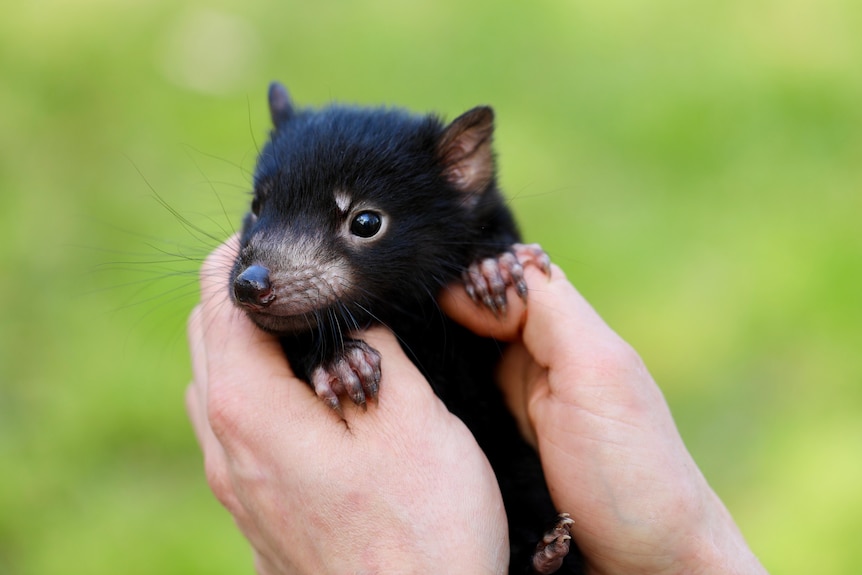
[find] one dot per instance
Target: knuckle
(216, 474)
(225, 411)
(220, 484)
(617, 360)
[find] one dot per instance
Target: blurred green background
(696, 168)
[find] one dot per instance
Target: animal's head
(357, 210)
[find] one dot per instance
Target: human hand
(400, 488)
(609, 447)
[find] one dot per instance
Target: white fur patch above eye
(343, 201)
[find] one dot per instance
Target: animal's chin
(283, 324)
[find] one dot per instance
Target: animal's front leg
(355, 371)
(487, 279)
(553, 547)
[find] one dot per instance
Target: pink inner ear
(472, 172)
(466, 151)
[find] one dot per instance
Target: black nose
(252, 287)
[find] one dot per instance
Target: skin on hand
(402, 487)
(611, 453)
(304, 485)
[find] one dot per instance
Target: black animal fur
(440, 220)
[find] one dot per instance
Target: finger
(196, 391)
(215, 460)
(197, 350)
(196, 410)
(564, 332)
(273, 563)
(517, 376)
(263, 565)
(457, 304)
(223, 327)
(404, 391)
(222, 322)
(216, 269)
(555, 313)
(249, 390)
(397, 371)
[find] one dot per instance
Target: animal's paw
(486, 280)
(554, 546)
(355, 372)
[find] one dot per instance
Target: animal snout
(253, 288)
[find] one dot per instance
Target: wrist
(721, 549)
(699, 538)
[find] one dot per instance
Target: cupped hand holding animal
(403, 487)
(610, 450)
(399, 488)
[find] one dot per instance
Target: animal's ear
(280, 106)
(465, 150)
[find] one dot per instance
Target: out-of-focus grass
(695, 168)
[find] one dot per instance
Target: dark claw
(500, 302)
(346, 369)
(358, 398)
(322, 382)
(471, 291)
(367, 367)
(521, 286)
(489, 303)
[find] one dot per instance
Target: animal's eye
(255, 205)
(366, 224)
